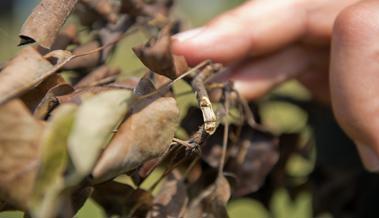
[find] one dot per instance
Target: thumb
(354, 77)
(256, 26)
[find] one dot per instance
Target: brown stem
(198, 85)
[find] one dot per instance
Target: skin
(332, 47)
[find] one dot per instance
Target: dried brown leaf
(33, 98)
(81, 94)
(50, 101)
(121, 199)
(43, 25)
(22, 73)
(144, 86)
(19, 138)
(156, 55)
(65, 37)
(112, 32)
(172, 198)
(146, 134)
(86, 61)
(140, 8)
(257, 154)
(104, 8)
(141, 173)
(211, 203)
(95, 121)
(93, 78)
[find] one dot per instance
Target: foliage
(65, 140)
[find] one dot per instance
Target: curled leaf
(50, 101)
(156, 55)
(22, 73)
(43, 25)
(34, 97)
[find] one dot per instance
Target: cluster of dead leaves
(63, 141)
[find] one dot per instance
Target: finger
(255, 78)
(354, 74)
(369, 157)
(256, 26)
(321, 17)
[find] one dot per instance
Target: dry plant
(62, 142)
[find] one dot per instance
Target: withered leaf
(121, 199)
(86, 61)
(172, 198)
(50, 101)
(43, 25)
(212, 149)
(133, 7)
(144, 86)
(151, 9)
(19, 139)
(112, 32)
(156, 55)
(94, 77)
(211, 203)
(86, 17)
(22, 73)
(65, 37)
(142, 172)
(146, 134)
(33, 97)
(79, 197)
(104, 8)
(50, 181)
(97, 117)
(257, 154)
(81, 94)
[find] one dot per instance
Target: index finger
(256, 26)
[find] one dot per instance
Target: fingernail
(369, 158)
(242, 86)
(184, 36)
(249, 90)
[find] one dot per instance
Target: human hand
(265, 43)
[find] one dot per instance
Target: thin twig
(160, 160)
(190, 167)
(184, 143)
(73, 56)
(171, 167)
(166, 87)
(103, 81)
(226, 133)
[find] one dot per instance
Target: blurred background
(328, 181)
